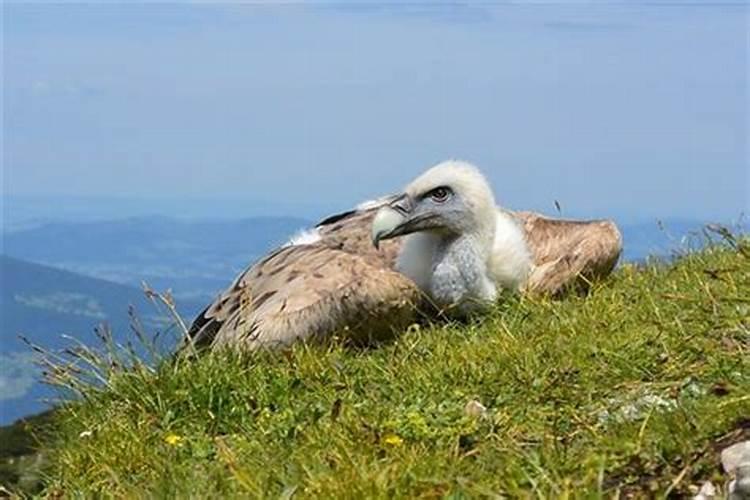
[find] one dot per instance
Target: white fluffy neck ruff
(304, 237)
(506, 254)
(415, 259)
(510, 260)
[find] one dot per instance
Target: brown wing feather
(309, 291)
(569, 253)
(209, 322)
(351, 232)
(339, 283)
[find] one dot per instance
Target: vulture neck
(511, 259)
(452, 269)
(468, 270)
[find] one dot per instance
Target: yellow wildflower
(393, 440)
(173, 439)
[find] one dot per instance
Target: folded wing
(308, 291)
(569, 253)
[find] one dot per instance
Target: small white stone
(735, 456)
(736, 461)
(707, 492)
(475, 409)
(739, 488)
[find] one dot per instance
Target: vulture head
(451, 199)
(450, 223)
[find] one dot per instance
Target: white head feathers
(465, 179)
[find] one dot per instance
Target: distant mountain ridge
(195, 259)
(28, 212)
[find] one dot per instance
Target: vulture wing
(567, 252)
(352, 233)
(337, 284)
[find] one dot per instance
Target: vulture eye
(440, 194)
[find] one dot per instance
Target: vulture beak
(392, 220)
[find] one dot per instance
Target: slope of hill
(631, 390)
(194, 259)
(42, 303)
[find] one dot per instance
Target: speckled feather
(339, 283)
(568, 253)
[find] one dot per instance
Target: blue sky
(630, 110)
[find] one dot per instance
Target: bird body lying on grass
(365, 273)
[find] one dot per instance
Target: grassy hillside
(634, 388)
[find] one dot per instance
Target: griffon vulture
(365, 273)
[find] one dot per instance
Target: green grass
(633, 388)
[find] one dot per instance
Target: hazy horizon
(22, 212)
(635, 110)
